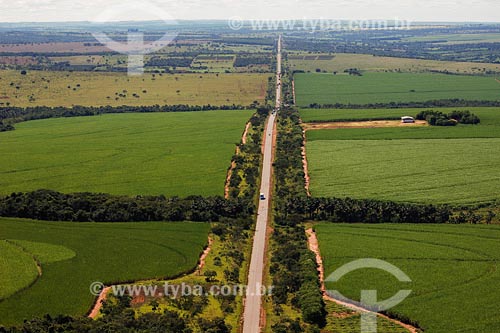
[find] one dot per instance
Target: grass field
(161, 153)
(416, 164)
(457, 38)
(367, 62)
(489, 115)
(489, 127)
(331, 115)
(391, 87)
(96, 89)
(17, 269)
(460, 171)
(73, 255)
(453, 270)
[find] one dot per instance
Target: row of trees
(92, 207)
(5, 128)
(454, 103)
(346, 210)
(438, 118)
(247, 60)
(170, 62)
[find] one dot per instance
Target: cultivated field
(489, 115)
(365, 62)
(17, 269)
(457, 38)
(47, 88)
(417, 164)
(453, 271)
(391, 87)
(458, 171)
(157, 153)
(73, 255)
(332, 115)
(488, 128)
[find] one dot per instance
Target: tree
(217, 325)
(489, 217)
(287, 325)
(210, 276)
(154, 305)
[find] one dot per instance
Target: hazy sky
(415, 10)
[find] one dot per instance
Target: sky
(116, 10)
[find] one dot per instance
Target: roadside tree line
(293, 267)
(294, 272)
(400, 105)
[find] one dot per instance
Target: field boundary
(38, 268)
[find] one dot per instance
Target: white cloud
(416, 10)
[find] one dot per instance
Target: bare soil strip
(314, 247)
(245, 134)
(362, 124)
(228, 179)
(204, 255)
(306, 167)
(98, 304)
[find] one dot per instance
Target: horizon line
(249, 20)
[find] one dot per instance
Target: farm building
(408, 120)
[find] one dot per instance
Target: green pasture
(460, 171)
(73, 255)
(391, 87)
(453, 271)
(162, 153)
